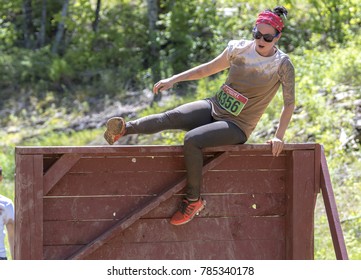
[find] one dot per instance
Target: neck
(271, 52)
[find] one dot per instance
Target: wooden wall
(115, 202)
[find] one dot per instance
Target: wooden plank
(300, 205)
(129, 163)
(99, 164)
(244, 181)
(317, 168)
(151, 183)
(233, 228)
(115, 183)
(229, 205)
(49, 160)
(58, 170)
(202, 250)
(60, 252)
(95, 208)
(255, 161)
(193, 250)
(134, 149)
(74, 232)
(28, 208)
(331, 211)
(160, 230)
(117, 207)
(135, 215)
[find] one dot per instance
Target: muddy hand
(277, 146)
(162, 85)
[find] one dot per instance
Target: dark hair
(280, 11)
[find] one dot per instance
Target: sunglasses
(267, 37)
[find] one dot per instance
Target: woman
(256, 70)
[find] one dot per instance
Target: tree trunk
(96, 20)
(154, 48)
(61, 27)
(42, 34)
(28, 23)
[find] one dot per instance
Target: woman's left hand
(277, 146)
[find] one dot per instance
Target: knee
(191, 141)
(172, 115)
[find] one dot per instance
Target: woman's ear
(278, 37)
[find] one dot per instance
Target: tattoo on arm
(287, 76)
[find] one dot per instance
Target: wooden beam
(29, 207)
(331, 211)
(317, 168)
(126, 149)
(58, 170)
(141, 211)
(301, 201)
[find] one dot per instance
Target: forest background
(68, 65)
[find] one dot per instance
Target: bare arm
(285, 119)
(277, 141)
(204, 70)
(288, 85)
(10, 229)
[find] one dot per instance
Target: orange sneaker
(115, 130)
(187, 211)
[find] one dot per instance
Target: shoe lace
(186, 207)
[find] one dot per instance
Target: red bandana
(272, 19)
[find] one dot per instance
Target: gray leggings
(203, 131)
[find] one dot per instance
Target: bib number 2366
(231, 100)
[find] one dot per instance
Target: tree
(153, 45)
(43, 23)
(28, 24)
(61, 27)
(96, 19)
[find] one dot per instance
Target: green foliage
(42, 91)
(188, 32)
(336, 19)
(81, 138)
(8, 166)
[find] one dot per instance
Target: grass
(321, 116)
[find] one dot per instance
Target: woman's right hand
(163, 85)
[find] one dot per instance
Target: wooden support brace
(138, 213)
(301, 201)
(331, 210)
(58, 170)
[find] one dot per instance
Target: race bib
(231, 100)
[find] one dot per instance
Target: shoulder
(7, 207)
(285, 63)
(5, 201)
(236, 47)
(284, 59)
(239, 43)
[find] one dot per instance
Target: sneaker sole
(196, 214)
(115, 130)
